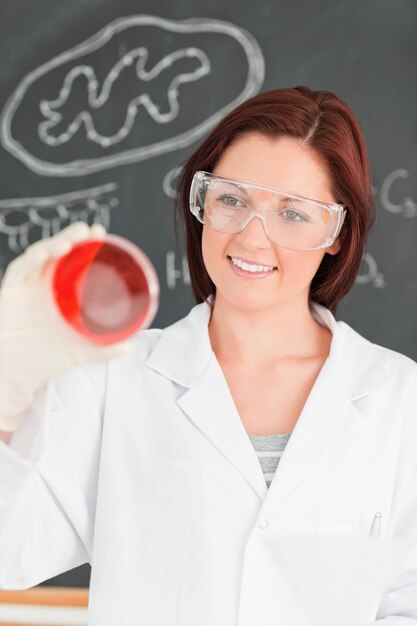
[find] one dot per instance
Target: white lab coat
(142, 467)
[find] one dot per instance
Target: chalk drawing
(369, 274)
(406, 207)
(97, 101)
(197, 64)
(51, 213)
(169, 183)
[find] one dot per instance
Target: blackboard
(103, 100)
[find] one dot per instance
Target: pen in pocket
(376, 525)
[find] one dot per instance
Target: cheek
(206, 249)
(205, 242)
(213, 248)
(300, 266)
(314, 261)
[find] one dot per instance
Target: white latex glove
(36, 344)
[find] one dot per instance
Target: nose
(254, 235)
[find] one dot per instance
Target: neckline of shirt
(273, 435)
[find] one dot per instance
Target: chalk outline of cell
(83, 167)
(96, 101)
(57, 201)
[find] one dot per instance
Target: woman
(146, 466)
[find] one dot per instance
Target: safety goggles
(290, 221)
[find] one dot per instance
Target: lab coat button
(263, 524)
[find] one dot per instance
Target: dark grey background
(363, 50)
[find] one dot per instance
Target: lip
(238, 271)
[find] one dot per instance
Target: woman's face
(285, 164)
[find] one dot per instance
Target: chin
(249, 300)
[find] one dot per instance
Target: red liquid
(104, 291)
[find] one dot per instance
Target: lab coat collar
(357, 362)
(184, 355)
(353, 369)
(183, 352)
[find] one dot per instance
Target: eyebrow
(229, 182)
(292, 198)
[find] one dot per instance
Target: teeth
(251, 268)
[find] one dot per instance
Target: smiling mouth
(252, 268)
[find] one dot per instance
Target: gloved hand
(36, 344)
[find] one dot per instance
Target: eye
(229, 201)
(293, 216)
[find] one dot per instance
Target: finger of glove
(64, 242)
(38, 254)
(28, 266)
(98, 230)
(78, 231)
(65, 239)
(61, 245)
(22, 266)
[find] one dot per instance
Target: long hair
(326, 124)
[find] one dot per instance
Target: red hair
(325, 123)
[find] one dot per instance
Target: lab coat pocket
(340, 529)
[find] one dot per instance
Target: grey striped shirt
(269, 449)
